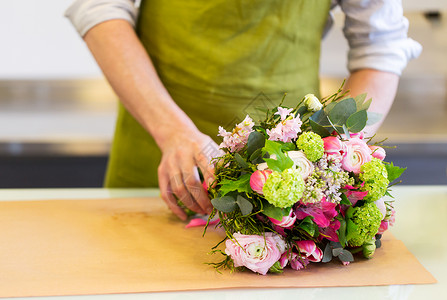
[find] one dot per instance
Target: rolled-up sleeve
(376, 31)
(85, 14)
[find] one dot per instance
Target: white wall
(37, 42)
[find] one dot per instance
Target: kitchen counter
(421, 224)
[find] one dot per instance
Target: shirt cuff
(85, 14)
(390, 56)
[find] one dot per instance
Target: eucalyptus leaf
(346, 131)
(361, 103)
(378, 243)
(373, 118)
(357, 121)
(256, 140)
(346, 256)
(329, 107)
(240, 161)
(341, 112)
(320, 117)
(244, 205)
(318, 129)
(224, 204)
(337, 251)
(327, 254)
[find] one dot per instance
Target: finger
(179, 188)
(195, 188)
(168, 197)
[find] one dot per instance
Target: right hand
(183, 153)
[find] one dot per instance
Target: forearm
(380, 86)
(131, 74)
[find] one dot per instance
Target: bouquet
(304, 185)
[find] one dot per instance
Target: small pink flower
(358, 153)
(310, 251)
(378, 152)
(286, 221)
(381, 206)
(383, 227)
(297, 262)
(253, 251)
(237, 139)
(257, 180)
(334, 147)
(288, 127)
(359, 135)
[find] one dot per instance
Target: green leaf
(394, 172)
(242, 184)
(342, 232)
(346, 256)
(224, 204)
(337, 251)
(274, 212)
(308, 225)
(330, 106)
(318, 129)
(345, 200)
(281, 162)
(276, 268)
(240, 161)
(373, 118)
(288, 147)
(352, 230)
(245, 206)
(360, 102)
(256, 155)
(327, 254)
(256, 140)
(357, 121)
(342, 111)
(378, 243)
(346, 131)
(320, 117)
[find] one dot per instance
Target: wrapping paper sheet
(77, 247)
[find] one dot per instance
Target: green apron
(219, 60)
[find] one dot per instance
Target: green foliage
(240, 161)
(244, 205)
(256, 140)
(225, 204)
(309, 226)
(357, 121)
(341, 112)
(274, 212)
(242, 184)
(281, 162)
(393, 171)
(342, 232)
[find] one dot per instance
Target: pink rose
(378, 152)
(257, 180)
(358, 153)
(334, 147)
(253, 251)
(310, 251)
(286, 221)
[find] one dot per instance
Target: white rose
(312, 102)
(301, 162)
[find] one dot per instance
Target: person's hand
(183, 154)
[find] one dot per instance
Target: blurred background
(57, 112)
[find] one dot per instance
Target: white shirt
(376, 30)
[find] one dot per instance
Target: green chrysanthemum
(375, 177)
(284, 189)
(367, 218)
(312, 144)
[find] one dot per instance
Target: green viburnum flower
(375, 176)
(283, 189)
(367, 218)
(312, 144)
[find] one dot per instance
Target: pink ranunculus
(286, 221)
(383, 227)
(310, 251)
(253, 251)
(334, 147)
(322, 212)
(378, 152)
(257, 180)
(357, 154)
